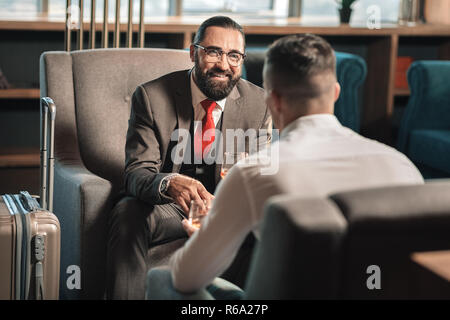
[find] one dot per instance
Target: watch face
(163, 186)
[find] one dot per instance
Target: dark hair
(293, 60)
(217, 21)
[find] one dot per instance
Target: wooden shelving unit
(20, 158)
(382, 50)
(382, 45)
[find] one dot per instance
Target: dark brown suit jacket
(163, 105)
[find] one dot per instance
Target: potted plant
(345, 9)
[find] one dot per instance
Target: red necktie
(208, 123)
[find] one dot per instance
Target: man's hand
(188, 227)
(183, 189)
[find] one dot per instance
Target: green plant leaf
(345, 3)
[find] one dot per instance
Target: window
(203, 6)
(325, 11)
(151, 8)
(25, 7)
(313, 11)
(57, 8)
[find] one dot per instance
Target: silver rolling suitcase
(30, 232)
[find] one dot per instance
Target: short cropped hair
(217, 21)
(294, 60)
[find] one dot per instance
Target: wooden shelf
(274, 26)
(22, 160)
(401, 92)
(382, 51)
(31, 93)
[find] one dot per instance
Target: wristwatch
(164, 186)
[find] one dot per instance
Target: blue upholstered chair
(350, 69)
(424, 133)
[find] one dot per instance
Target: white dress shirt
(317, 157)
(197, 97)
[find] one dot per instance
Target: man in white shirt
(317, 157)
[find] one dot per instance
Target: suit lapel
(183, 107)
(230, 120)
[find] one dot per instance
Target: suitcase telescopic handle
(47, 138)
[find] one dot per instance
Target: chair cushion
(431, 147)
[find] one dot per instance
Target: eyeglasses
(234, 58)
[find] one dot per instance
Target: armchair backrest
(92, 91)
(429, 103)
(322, 248)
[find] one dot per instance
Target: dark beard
(214, 91)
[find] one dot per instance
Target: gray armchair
(92, 92)
(321, 248)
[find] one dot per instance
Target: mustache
(213, 72)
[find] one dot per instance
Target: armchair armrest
(82, 202)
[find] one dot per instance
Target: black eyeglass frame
(221, 52)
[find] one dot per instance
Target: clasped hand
(183, 189)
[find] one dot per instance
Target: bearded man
(203, 101)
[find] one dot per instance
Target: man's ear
(192, 52)
(337, 91)
(276, 98)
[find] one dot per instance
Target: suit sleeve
(264, 131)
(266, 126)
(142, 150)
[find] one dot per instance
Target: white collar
(319, 120)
